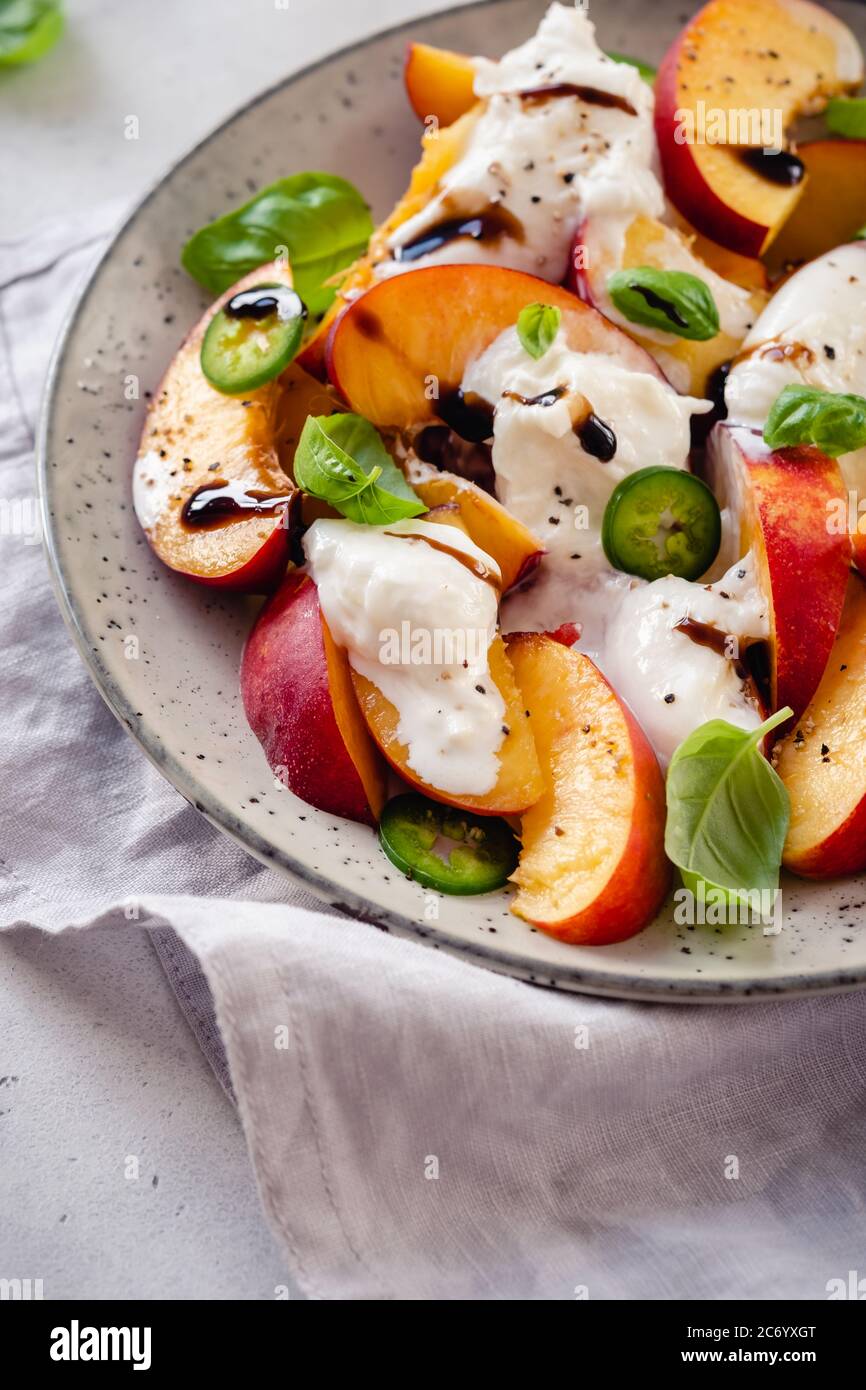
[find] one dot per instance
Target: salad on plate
(552, 480)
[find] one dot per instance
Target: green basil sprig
(28, 28)
(836, 424)
(647, 73)
(671, 300)
(321, 220)
(341, 460)
(537, 326)
(846, 116)
(728, 810)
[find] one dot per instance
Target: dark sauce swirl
(218, 502)
(704, 634)
(752, 667)
(592, 96)
(544, 399)
(701, 425)
(777, 166)
(264, 301)
(467, 414)
(487, 227)
(596, 438)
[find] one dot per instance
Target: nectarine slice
(195, 436)
(822, 763)
(593, 868)
(822, 759)
(519, 782)
(735, 65)
(494, 530)
(396, 357)
(833, 207)
(782, 502)
(438, 82)
(648, 242)
(440, 149)
(748, 272)
(300, 704)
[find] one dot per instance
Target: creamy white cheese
(153, 487)
(819, 316)
(418, 623)
(672, 682)
(548, 163)
(546, 478)
(544, 475)
(812, 333)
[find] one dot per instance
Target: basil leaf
(28, 28)
(836, 424)
(728, 810)
(537, 326)
(341, 460)
(647, 73)
(321, 219)
(671, 300)
(846, 116)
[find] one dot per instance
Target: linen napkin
(419, 1128)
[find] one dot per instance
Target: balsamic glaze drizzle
(546, 398)
(487, 226)
(265, 300)
(215, 503)
(593, 96)
(467, 414)
(596, 438)
(778, 166)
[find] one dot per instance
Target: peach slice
(782, 502)
(519, 783)
(748, 67)
(593, 868)
(300, 704)
(439, 150)
(786, 348)
(746, 271)
(438, 82)
(833, 208)
(516, 550)
(647, 242)
(397, 358)
(194, 436)
(821, 761)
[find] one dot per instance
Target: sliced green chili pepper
(446, 849)
(662, 521)
(252, 338)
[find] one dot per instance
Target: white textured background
(95, 1059)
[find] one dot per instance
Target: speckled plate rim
(602, 982)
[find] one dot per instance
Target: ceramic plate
(179, 699)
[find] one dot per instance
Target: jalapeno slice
(447, 849)
(662, 521)
(252, 338)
